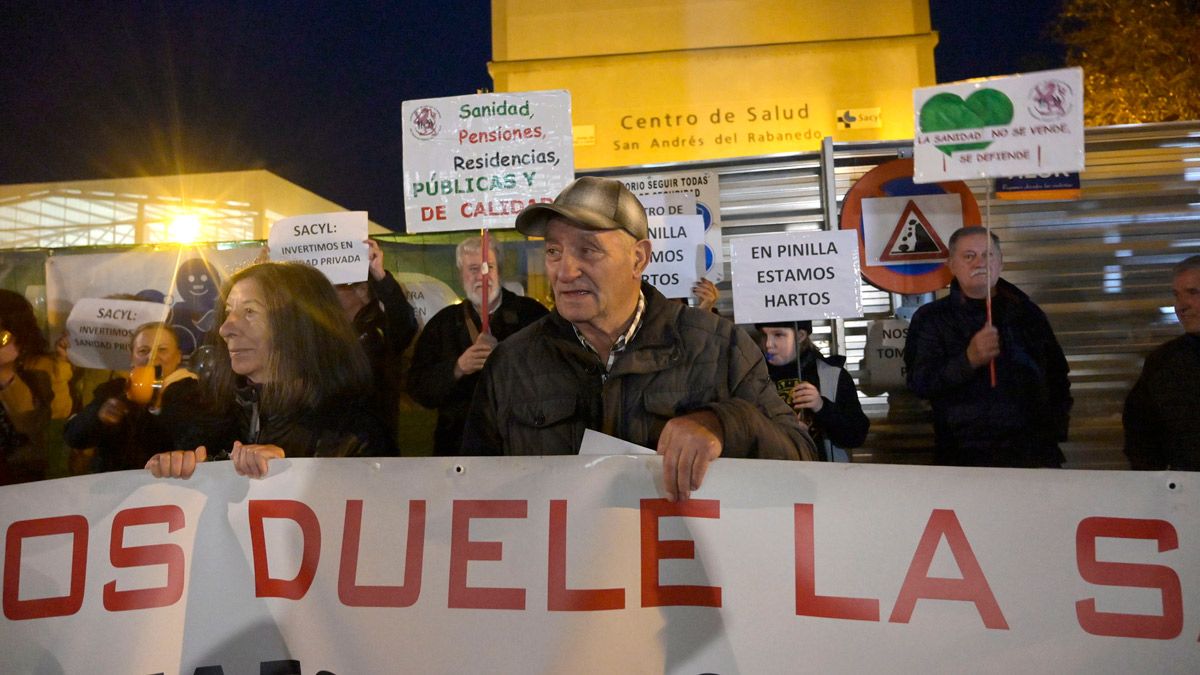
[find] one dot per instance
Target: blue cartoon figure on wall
(193, 315)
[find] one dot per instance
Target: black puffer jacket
(842, 422)
(431, 379)
(541, 389)
(344, 428)
(1020, 421)
(141, 434)
(384, 333)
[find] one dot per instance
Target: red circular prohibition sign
(894, 179)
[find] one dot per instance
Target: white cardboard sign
(101, 329)
(882, 368)
(676, 260)
(331, 242)
(705, 186)
(1000, 126)
(475, 161)
(677, 237)
(427, 295)
(795, 276)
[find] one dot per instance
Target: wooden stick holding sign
(987, 224)
(485, 270)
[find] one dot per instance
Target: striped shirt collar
(622, 341)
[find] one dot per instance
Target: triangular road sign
(914, 238)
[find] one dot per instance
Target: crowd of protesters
(294, 366)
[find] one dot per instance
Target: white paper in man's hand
(596, 443)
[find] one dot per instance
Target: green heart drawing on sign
(948, 112)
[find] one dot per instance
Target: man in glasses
(454, 346)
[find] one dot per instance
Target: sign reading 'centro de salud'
(677, 81)
(472, 162)
(706, 131)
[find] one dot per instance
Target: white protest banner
(795, 276)
(101, 329)
(677, 256)
(882, 368)
(704, 185)
(472, 162)
(334, 243)
(909, 230)
(186, 278)
(999, 126)
(435, 565)
(427, 295)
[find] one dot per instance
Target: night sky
(308, 90)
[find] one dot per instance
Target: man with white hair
(1018, 420)
(453, 347)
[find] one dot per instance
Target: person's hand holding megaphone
(145, 385)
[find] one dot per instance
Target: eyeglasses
(5, 338)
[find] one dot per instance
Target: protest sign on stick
(472, 162)
(334, 243)
(677, 241)
(704, 185)
(795, 276)
(101, 329)
(999, 127)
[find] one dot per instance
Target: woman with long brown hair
(289, 378)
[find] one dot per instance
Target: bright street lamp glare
(184, 228)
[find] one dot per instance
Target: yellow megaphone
(145, 385)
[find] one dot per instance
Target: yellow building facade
(679, 80)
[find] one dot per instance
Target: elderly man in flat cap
(618, 357)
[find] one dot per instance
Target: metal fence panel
(1099, 266)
